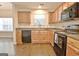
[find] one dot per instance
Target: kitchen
(46, 28)
(60, 28)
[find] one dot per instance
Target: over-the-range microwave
(71, 12)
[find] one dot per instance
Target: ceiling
(50, 6)
(5, 6)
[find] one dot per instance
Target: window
(6, 24)
(40, 18)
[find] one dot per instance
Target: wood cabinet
(65, 5)
(71, 51)
(18, 36)
(55, 17)
(70, 3)
(24, 18)
(40, 36)
(51, 37)
(60, 9)
(50, 17)
(72, 47)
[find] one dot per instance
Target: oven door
(60, 44)
(58, 40)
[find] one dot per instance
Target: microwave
(71, 12)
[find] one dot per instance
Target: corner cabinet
(24, 17)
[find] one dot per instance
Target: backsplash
(62, 25)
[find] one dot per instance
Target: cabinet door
(72, 47)
(44, 36)
(50, 17)
(40, 36)
(18, 36)
(60, 9)
(65, 5)
(70, 3)
(24, 17)
(51, 37)
(71, 51)
(35, 36)
(55, 16)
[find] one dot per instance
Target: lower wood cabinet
(72, 51)
(51, 37)
(37, 36)
(72, 47)
(40, 36)
(18, 36)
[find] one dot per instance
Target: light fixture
(40, 6)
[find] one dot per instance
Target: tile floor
(29, 49)
(6, 46)
(34, 50)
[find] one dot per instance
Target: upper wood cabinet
(24, 17)
(50, 17)
(70, 3)
(55, 17)
(65, 5)
(60, 9)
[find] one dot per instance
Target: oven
(60, 41)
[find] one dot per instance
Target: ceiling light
(40, 6)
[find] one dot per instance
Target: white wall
(5, 13)
(5, 34)
(15, 23)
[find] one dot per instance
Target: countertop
(74, 36)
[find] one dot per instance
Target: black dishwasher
(26, 36)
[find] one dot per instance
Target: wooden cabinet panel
(39, 36)
(72, 47)
(71, 51)
(51, 37)
(65, 5)
(18, 36)
(56, 15)
(24, 17)
(60, 9)
(70, 3)
(50, 17)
